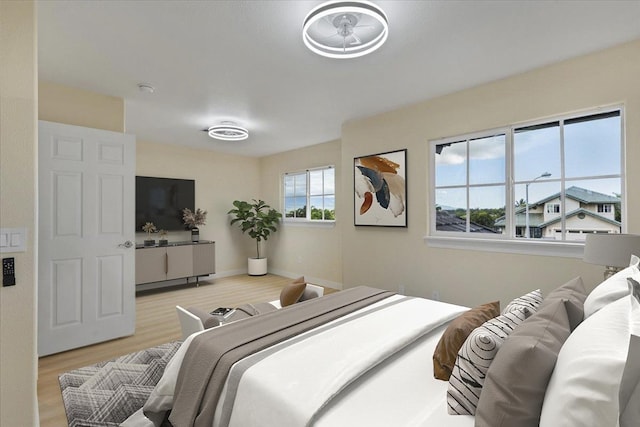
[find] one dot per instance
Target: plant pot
(257, 266)
(195, 234)
(149, 242)
(163, 242)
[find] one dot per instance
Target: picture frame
(380, 189)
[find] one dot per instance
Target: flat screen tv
(161, 201)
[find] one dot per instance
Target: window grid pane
(551, 200)
(310, 195)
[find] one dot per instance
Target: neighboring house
(586, 212)
(446, 221)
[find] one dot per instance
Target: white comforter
(313, 378)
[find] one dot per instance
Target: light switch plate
(13, 240)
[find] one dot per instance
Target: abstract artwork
(380, 189)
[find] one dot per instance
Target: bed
(375, 366)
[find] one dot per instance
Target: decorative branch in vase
(163, 238)
(193, 220)
(149, 228)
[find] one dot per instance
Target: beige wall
(220, 179)
(64, 104)
(392, 257)
(18, 136)
(304, 250)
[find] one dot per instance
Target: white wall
(18, 142)
(390, 257)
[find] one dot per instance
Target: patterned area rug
(107, 393)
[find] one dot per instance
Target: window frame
(508, 242)
(307, 219)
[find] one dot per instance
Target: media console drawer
(175, 261)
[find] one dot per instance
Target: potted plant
(163, 238)
(149, 228)
(193, 220)
(258, 220)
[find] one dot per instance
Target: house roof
(581, 195)
(446, 221)
(583, 211)
(534, 220)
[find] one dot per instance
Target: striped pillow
(475, 357)
(532, 301)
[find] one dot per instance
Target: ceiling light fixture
(345, 29)
(228, 131)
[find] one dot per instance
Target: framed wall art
(380, 189)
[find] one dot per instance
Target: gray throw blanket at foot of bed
(210, 356)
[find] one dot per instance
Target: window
(310, 195)
(605, 208)
(553, 207)
(558, 179)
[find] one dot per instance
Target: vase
(163, 242)
(195, 234)
(149, 242)
(257, 266)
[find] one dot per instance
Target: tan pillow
(517, 380)
(444, 357)
(292, 292)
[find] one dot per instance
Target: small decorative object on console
(193, 220)
(163, 238)
(149, 228)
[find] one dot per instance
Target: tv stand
(156, 265)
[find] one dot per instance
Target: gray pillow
(630, 386)
(574, 292)
(208, 320)
(517, 379)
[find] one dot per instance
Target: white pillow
(612, 289)
(630, 386)
(584, 387)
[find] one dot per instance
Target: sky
(321, 181)
(591, 155)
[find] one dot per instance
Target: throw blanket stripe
(241, 367)
(211, 354)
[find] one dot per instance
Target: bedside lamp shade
(611, 250)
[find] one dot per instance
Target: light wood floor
(156, 323)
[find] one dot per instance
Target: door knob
(126, 244)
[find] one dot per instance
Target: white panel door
(86, 265)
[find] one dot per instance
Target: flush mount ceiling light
(228, 131)
(345, 29)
